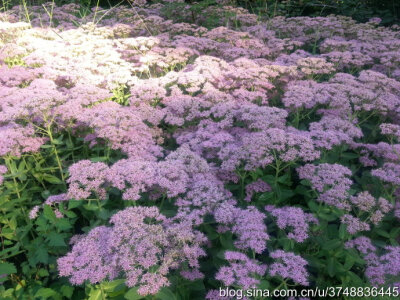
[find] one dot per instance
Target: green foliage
(121, 95)
(30, 247)
(15, 61)
(387, 10)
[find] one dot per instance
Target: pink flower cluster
(380, 268)
(139, 239)
(289, 266)
(258, 186)
(247, 224)
(3, 170)
(292, 219)
(331, 181)
(241, 271)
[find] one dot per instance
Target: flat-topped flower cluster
(267, 134)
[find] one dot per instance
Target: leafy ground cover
(164, 151)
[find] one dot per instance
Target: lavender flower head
(294, 220)
(56, 199)
(397, 210)
(390, 173)
(258, 186)
(354, 224)
(289, 266)
(241, 271)
(247, 224)
(86, 178)
(3, 170)
(331, 181)
(34, 212)
(142, 244)
(362, 244)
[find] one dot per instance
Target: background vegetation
(387, 10)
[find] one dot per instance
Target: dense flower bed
(145, 152)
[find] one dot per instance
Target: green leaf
(56, 240)
(286, 194)
(226, 241)
(49, 213)
(212, 234)
(67, 291)
(99, 159)
(350, 155)
(327, 217)
(69, 214)
(313, 206)
(395, 232)
(331, 266)
(284, 179)
(264, 285)
(264, 197)
(74, 203)
(63, 224)
(58, 141)
(45, 293)
(342, 231)
(7, 268)
(95, 295)
(111, 285)
(356, 280)
(132, 294)
(41, 255)
(46, 146)
(43, 273)
(197, 285)
(332, 244)
(166, 294)
(302, 190)
(52, 179)
(268, 178)
(69, 144)
(339, 267)
(349, 262)
(382, 233)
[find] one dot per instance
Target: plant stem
(56, 153)
(102, 292)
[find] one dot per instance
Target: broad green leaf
(349, 262)
(49, 213)
(111, 285)
(166, 294)
(98, 159)
(95, 295)
(52, 179)
(43, 273)
(74, 203)
(264, 285)
(382, 233)
(56, 240)
(226, 241)
(7, 268)
(332, 244)
(331, 266)
(286, 194)
(342, 231)
(132, 294)
(67, 291)
(327, 217)
(197, 285)
(45, 293)
(41, 255)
